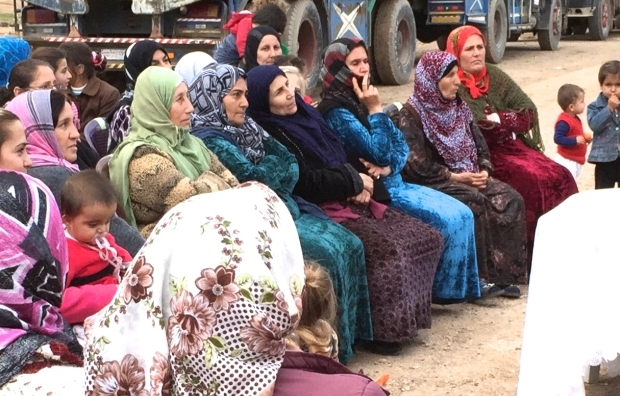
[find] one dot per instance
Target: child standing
(569, 135)
(87, 203)
(604, 120)
(315, 333)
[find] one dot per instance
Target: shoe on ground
(488, 290)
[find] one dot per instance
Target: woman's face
(44, 78)
(449, 85)
(236, 103)
(181, 108)
(268, 49)
(281, 97)
(472, 56)
(357, 61)
(160, 58)
(63, 75)
(13, 154)
(67, 134)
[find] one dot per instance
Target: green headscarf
(151, 126)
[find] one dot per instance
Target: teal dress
(456, 278)
(322, 240)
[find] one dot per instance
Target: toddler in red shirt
(87, 203)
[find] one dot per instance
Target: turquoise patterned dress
(456, 278)
(322, 240)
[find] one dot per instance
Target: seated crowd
(237, 236)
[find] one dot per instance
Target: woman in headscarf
(449, 154)
(52, 138)
(401, 252)
(138, 57)
(261, 48)
(159, 164)
(219, 99)
(33, 267)
(508, 120)
(190, 65)
(353, 110)
(182, 324)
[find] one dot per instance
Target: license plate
(48, 30)
(113, 54)
(200, 26)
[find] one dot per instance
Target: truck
(596, 17)
(389, 27)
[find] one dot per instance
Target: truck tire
(496, 31)
(549, 40)
(599, 24)
(304, 37)
(442, 42)
(394, 42)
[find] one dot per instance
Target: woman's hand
(368, 95)
(362, 198)
(369, 184)
(376, 171)
(477, 180)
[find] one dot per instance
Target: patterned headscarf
(206, 95)
(338, 80)
(33, 269)
(34, 109)
(190, 65)
(477, 84)
(254, 39)
(206, 304)
(306, 125)
(12, 50)
(446, 123)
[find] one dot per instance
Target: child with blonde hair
(315, 333)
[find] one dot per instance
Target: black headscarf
(255, 36)
(306, 125)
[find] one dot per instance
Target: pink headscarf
(34, 109)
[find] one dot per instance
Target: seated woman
(401, 252)
(354, 112)
(138, 57)
(449, 154)
(261, 48)
(190, 65)
(509, 123)
(13, 154)
(93, 97)
(52, 137)
(219, 99)
(33, 261)
(209, 314)
(159, 164)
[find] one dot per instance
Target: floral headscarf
(34, 109)
(206, 304)
(206, 95)
(33, 268)
(477, 84)
(446, 123)
(12, 50)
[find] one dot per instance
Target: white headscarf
(190, 65)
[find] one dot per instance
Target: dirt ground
(474, 349)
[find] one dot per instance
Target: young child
(233, 46)
(315, 333)
(569, 135)
(13, 155)
(604, 120)
(87, 204)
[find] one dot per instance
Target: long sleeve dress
(499, 210)
(542, 182)
(322, 240)
(401, 252)
(383, 144)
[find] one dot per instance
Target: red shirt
(575, 153)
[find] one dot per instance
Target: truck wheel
(304, 36)
(442, 42)
(496, 31)
(394, 42)
(600, 22)
(549, 40)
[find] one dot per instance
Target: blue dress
(322, 240)
(456, 278)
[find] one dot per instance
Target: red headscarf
(477, 84)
